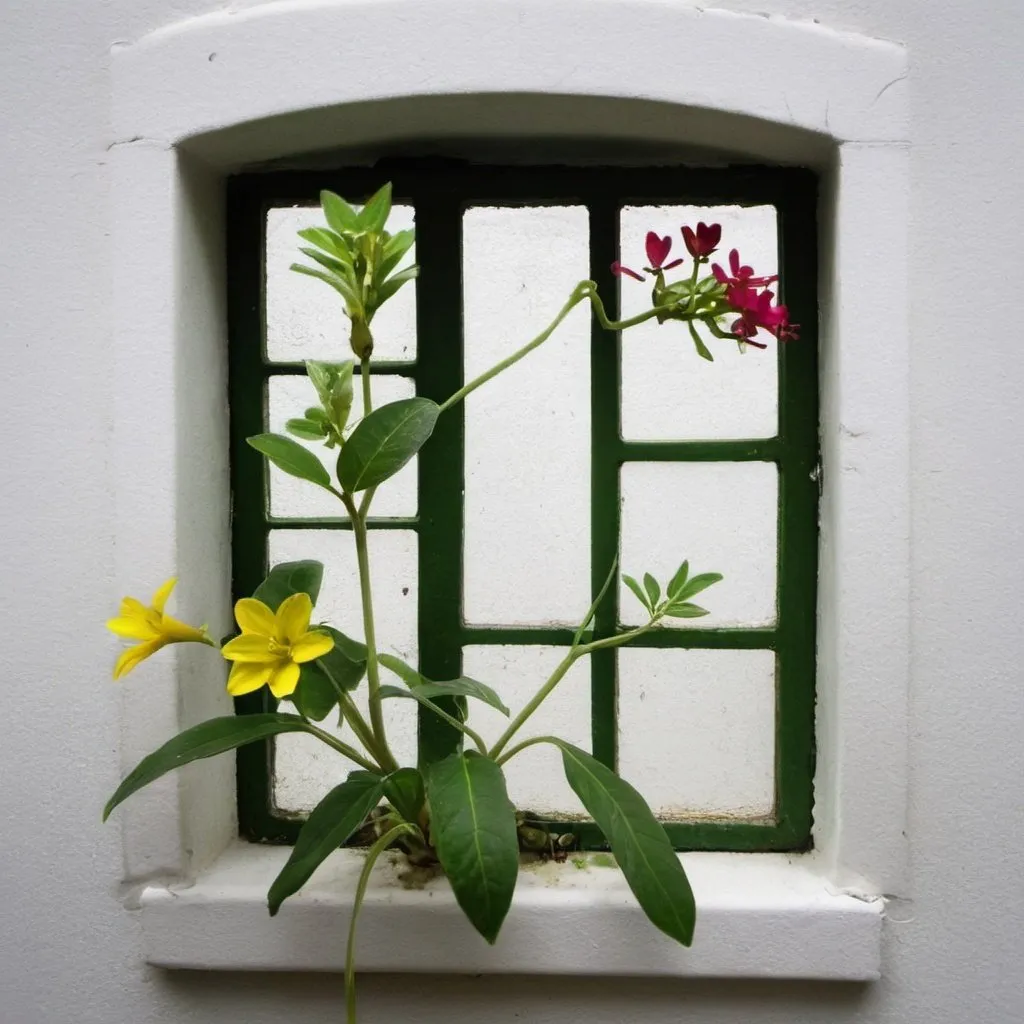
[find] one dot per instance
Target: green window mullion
(765, 450)
(441, 464)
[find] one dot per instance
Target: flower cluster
(738, 292)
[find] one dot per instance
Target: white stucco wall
(69, 952)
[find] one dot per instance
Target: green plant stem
(364, 879)
(388, 761)
(519, 747)
(364, 373)
(342, 748)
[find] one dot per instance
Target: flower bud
(361, 339)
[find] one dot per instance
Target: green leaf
(341, 287)
(315, 695)
(345, 663)
(392, 284)
(653, 589)
(385, 441)
(428, 689)
(308, 430)
(329, 241)
(204, 740)
(638, 590)
(287, 578)
(696, 585)
(404, 790)
(290, 457)
(639, 843)
(682, 610)
(399, 243)
(698, 344)
(374, 215)
(329, 824)
(340, 216)
(473, 827)
(676, 583)
(329, 263)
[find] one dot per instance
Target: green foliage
(204, 740)
(641, 596)
(405, 791)
(473, 827)
(424, 689)
(333, 384)
(384, 442)
(680, 589)
(287, 578)
(639, 843)
(290, 457)
(329, 825)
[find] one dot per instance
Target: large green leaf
(340, 669)
(203, 740)
(385, 441)
(287, 578)
(329, 824)
(374, 215)
(641, 847)
(314, 696)
(290, 457)
(340, 216)
(473, 828)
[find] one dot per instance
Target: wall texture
(69, 951)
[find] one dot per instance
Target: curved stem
(364, 879)
(364, 372)
(342, 748)
(519, 747)
(388, 761)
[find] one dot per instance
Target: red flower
(657, 252)
(704, 241)
(756, 312)
(741, 275)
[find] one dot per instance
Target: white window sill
(759, 915)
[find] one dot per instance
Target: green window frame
(440, 192)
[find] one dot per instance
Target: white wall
(69, 951)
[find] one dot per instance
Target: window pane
(305, 769)
(528, 431)
(668, 392)
(306, 317)
(535, 778)
(721, 517)
(696, 730)
(291, 498)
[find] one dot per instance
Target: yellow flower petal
(249, 648)
(284, 679)
(164, 592)
(130, 658)
(254, 616)
(180, 632)
(293, 618)
(246, 677)
(132, 608)
(132, 627)
(312, 645)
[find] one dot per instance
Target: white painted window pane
(305, 769)
(668, 392)
(536, 781)
(306, 317)
(721, 517)
(291, 498)
(697, 730)
(527, 534)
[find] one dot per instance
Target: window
(621, 466)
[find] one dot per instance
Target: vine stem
(388, 762)
(364, 880)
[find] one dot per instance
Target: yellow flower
(152, 627)
(272, 647)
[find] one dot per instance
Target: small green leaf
(683, 610)
(316, 414)
(637, 589)
(374, 215)
(404, 790)
(696, 585)
(290, 457)
(329, 824)
(653, 589)
(461, 687)
(473, 827)
(392, 284)
(308, 430)
(341, 217)
(399, 243)
(287, 578)
(385, 441)
(329, 263)
(642, 849)
(698, 344)
(345, 663)
(329, 241)
(204, 740)
(677, 581)
(315, 695)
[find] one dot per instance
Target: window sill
(759, 915)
